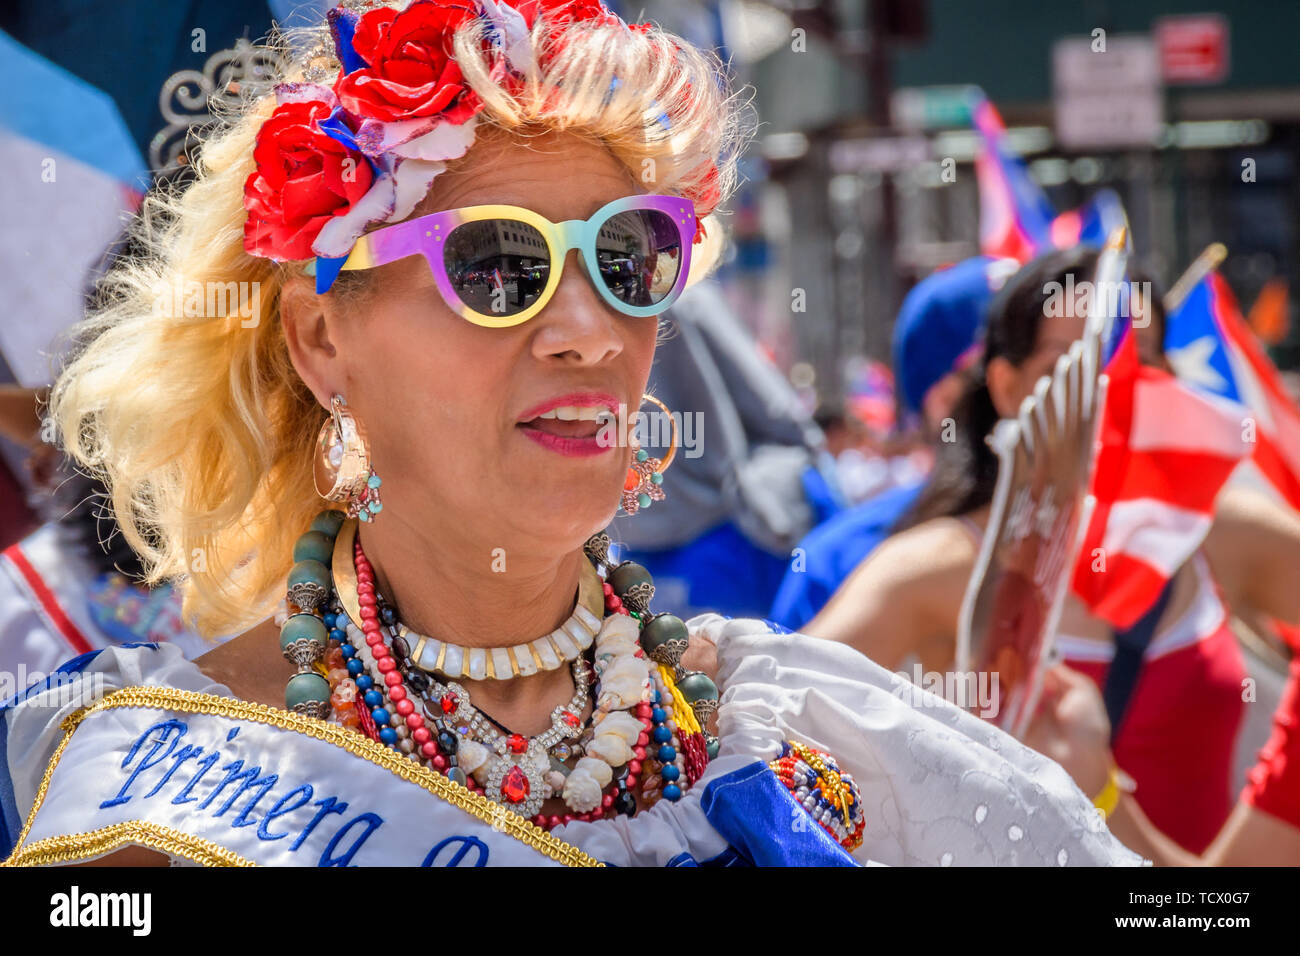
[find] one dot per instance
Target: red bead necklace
(397, 694)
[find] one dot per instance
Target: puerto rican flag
(1164, 452)
(1091, 223)
(1213, 350)
(1015, 215)
(1017, 220)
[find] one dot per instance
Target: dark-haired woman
(1180, 724)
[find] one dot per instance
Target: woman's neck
(475, 595)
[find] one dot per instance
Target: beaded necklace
(648, 718)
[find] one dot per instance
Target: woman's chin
(568, 510)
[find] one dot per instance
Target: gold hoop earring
(341, 469)
(645, 475)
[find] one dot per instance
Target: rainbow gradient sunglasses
(498, 266)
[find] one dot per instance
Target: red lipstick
(582, 438)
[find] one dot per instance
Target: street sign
(933, 107)
(1107, 92)
(1193, 49)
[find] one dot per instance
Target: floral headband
(333, 161)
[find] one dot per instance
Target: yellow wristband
(1108, 799)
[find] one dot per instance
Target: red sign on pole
(1193, 49)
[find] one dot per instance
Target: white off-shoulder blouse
(939, 786)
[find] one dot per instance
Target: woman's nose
(576, 323)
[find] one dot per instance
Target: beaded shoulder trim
(829, 795)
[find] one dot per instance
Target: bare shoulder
(1242, 506)
(905, 597)
(932, 553)
(251, 665)
(1247, 524)
(1253, 546)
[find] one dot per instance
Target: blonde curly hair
(199, 425)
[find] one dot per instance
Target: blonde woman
(457, 674)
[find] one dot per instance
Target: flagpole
(1201, 266)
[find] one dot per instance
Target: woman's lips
(575, 424)
(576, 439)
(572, 447)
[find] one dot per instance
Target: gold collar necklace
(547, 653)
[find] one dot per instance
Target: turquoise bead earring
(645, 476)
(368, 505)
(341, 468)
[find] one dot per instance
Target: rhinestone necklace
(516, 767)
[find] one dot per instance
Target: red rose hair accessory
(409, 73)
(332, 161)
(564, 11)
(304, 178)
(398, 111)
(705, 197)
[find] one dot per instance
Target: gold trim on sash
(63, 849)
(76, 847)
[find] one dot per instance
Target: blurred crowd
(862, 515)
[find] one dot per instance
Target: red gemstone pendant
(448, 703)
(515, 788)
(517, 743)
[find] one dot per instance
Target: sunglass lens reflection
(639, 256)
(497, 267)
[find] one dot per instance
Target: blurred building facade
(862, 177)
(859, 182)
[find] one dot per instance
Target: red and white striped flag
(1276, 451)
(1165, 451)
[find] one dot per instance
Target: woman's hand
(702, 655)
(1071, 727)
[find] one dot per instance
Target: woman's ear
(1003, 381)
(303, 314)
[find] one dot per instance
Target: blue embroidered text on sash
(160, 750)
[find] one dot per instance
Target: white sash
(222, 781)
